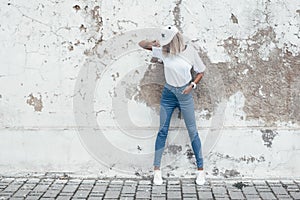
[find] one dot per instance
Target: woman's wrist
(193, 84)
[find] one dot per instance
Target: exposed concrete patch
(35, 102)
(268, 136)
(265, 80)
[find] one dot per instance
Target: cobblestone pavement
(64, 188)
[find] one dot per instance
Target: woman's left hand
(188, 89)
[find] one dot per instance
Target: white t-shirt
(177, 68)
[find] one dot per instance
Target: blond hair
(175, 46)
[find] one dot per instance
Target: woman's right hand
(155, 43)
(145, 44)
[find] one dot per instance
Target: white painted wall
(68, 69)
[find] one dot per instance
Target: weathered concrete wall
(78, 95)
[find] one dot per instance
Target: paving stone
(99, 195)
(63, 198)
(288, 182)
(116, 182)
(253, 198)
(186, 189)
(145, 182)
(267, 195)
(130, 182)
(263, 189)
(249, 190)
(295, 195)
(81, 193)
(159, 189)
(128, 189)
(219, 190)
(29, 186)
(158, 198)
(51, 193)
(284, 196)
(126, 198)
(259, 182)
(222, 198)
(174, 182)
(11, 188)
(187, 195)
(94, 198)
(40, 188)
(236, 195)
(99, 188)
(112, 194)
(21, 193)
(33, 197)
(292, 188)
(143, 195)
(158, 195)
(205, 195)
(279, 190)
(174, 195)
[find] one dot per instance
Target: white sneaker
(200, 179)
(157, 180)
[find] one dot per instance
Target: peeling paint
(35, 102)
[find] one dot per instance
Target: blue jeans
(172, 98)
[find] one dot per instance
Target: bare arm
(146, 44)
(197, 79)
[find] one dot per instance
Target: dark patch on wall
(139, 148)
(215, 171)
(174, 149)
(269, 85)
(230, 173)
(189, 153)
(268, 137)
(234, 19)
(76, 7)
(35, 102)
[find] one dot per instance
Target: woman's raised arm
(146, 44)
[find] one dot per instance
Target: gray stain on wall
(268, 137)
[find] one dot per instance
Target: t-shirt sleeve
(198, 64)
(157, 52)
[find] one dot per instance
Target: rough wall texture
(247, 104)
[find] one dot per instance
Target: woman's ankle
(156, 168)
(200, 168)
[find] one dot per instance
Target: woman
(178, 59)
